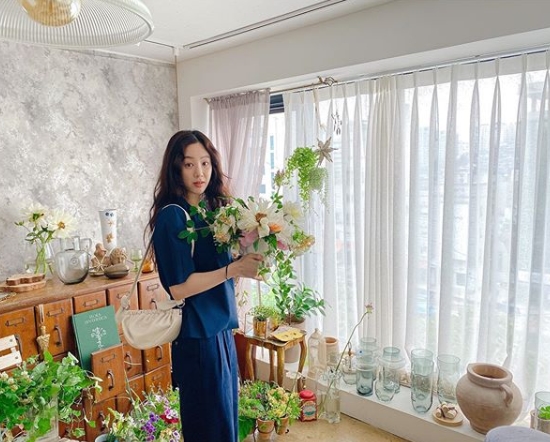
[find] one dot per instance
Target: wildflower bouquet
(43, 225)
(155, 418)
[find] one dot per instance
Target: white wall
(396, 35)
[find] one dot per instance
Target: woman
(204, 361)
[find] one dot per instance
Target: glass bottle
(313, 361)
(447, 378)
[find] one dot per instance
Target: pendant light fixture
(75, 24)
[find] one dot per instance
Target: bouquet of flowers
(270, 227)
(155, 418)
(43, 225)
(262, 226)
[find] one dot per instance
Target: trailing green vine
(310, 175)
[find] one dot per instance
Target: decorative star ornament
(324, 150)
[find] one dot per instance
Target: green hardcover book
(94, 330)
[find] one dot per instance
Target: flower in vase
(334, 374)
(43, 225)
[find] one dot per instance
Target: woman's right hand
(246, 266)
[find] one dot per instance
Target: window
(437, 211)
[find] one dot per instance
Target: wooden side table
(275, 347)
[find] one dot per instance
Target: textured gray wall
(82, 132)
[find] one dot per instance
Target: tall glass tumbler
(391, 363)
(421, 353)
(448, 375)
(365, 372)
(422, 384)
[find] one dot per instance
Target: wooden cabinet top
(55, 290)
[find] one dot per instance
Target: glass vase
(422, 384)
(447, 377)
(39, 257)
(328, 396)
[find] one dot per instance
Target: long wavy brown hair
(170, 189)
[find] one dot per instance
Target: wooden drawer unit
(21, 324)
(108, 364)
(159, 378)
(150, 292)
(133, 361)
(156, 357)
(98, 413)
(56, 317)
(91, 301)
(136, 388)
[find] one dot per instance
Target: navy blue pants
(205, 371)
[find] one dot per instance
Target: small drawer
(133, 360)
(108, 364)
(55, 317)
(151, 292)
(98, 413)
(20, 323)
(156, 357)
(115, 294)
(136, 388)
(161, 378)
(91, 301)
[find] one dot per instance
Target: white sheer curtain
(239, 130)
(438, 210)
(239, 125)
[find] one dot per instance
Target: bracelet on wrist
(226, 268)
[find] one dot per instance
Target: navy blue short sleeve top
(207, 313)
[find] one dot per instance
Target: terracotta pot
(265, 429)
(488, 397)
(282, 426)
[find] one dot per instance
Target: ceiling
(185, 28)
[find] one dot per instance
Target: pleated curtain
(437, 212)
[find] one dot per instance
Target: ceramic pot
(281, 427)
(488, 397)
(265, 429)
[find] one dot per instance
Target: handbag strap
(125, 300)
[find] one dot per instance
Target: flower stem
(333, 378)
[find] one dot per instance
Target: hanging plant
(311, 176)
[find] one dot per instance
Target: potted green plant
(261, 314)
(543, 421)
(264, 406)
(293, 300)
(40, 392)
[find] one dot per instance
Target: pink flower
(248, 238)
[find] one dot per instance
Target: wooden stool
(275, 347)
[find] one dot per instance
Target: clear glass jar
(447, 377)
(391, 364)
(328, 396)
